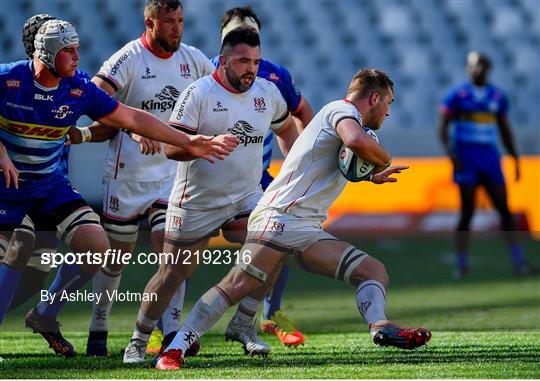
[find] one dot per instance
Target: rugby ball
(351, 166)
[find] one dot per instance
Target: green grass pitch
(486, 326)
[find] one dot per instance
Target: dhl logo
(479, 117)
(33, 131)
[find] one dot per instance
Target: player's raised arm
(147, 125)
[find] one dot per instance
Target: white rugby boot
(246, 334)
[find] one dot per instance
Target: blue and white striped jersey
(34, 120)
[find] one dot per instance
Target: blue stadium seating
(421, 43)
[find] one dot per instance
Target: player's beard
(169, 47)
(236, 82)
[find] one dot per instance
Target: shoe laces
(283, 322)
(135, 347)
(248, 331)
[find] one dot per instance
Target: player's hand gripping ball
(351, 166)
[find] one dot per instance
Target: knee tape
(68, 227)
(122, 233)
(3, 247)
(36, 262)
(26, 226)
(253, 271)
(157, 220)
(350, 259)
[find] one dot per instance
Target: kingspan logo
(243, 131)
(166, 100)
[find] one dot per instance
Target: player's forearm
(101, 132)
(145, 124)
(177, 153)
(371, 152)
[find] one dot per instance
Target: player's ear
(149, 22)
(374, 98)
(222, 60)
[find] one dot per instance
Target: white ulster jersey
(309, 180)
(146, 81)
(207, 108)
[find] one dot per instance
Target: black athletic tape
(108, 80)
(346, 117)
(75, 223)
(343, 263)
(281, 119)
(157, 221)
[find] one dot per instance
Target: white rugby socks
(371, 301)
(247, 309)
(205, 313)
(105, 280)
(171, 317)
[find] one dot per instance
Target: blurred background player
(147, 73)
(208, 199)
(275, 321)
(32, 136)
(478, 111)
(288, 221)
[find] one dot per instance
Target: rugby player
(287, 221)
(39, 102)
(206, 199)
(479, 112)
(275, 321)
(147, 73)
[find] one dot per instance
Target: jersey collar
(146, 44)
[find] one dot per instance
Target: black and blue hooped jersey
(34, 120)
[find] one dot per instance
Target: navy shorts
(51, 195)
(480, 164)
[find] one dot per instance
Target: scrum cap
(51, 37)
(30, 29)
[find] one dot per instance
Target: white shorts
(285, 232)
(126, 202)
(188, 226)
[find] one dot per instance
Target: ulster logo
(260, 106)
(184, 70)
(243, 131)
(114, 204)
(277, 228)
(176, 222)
